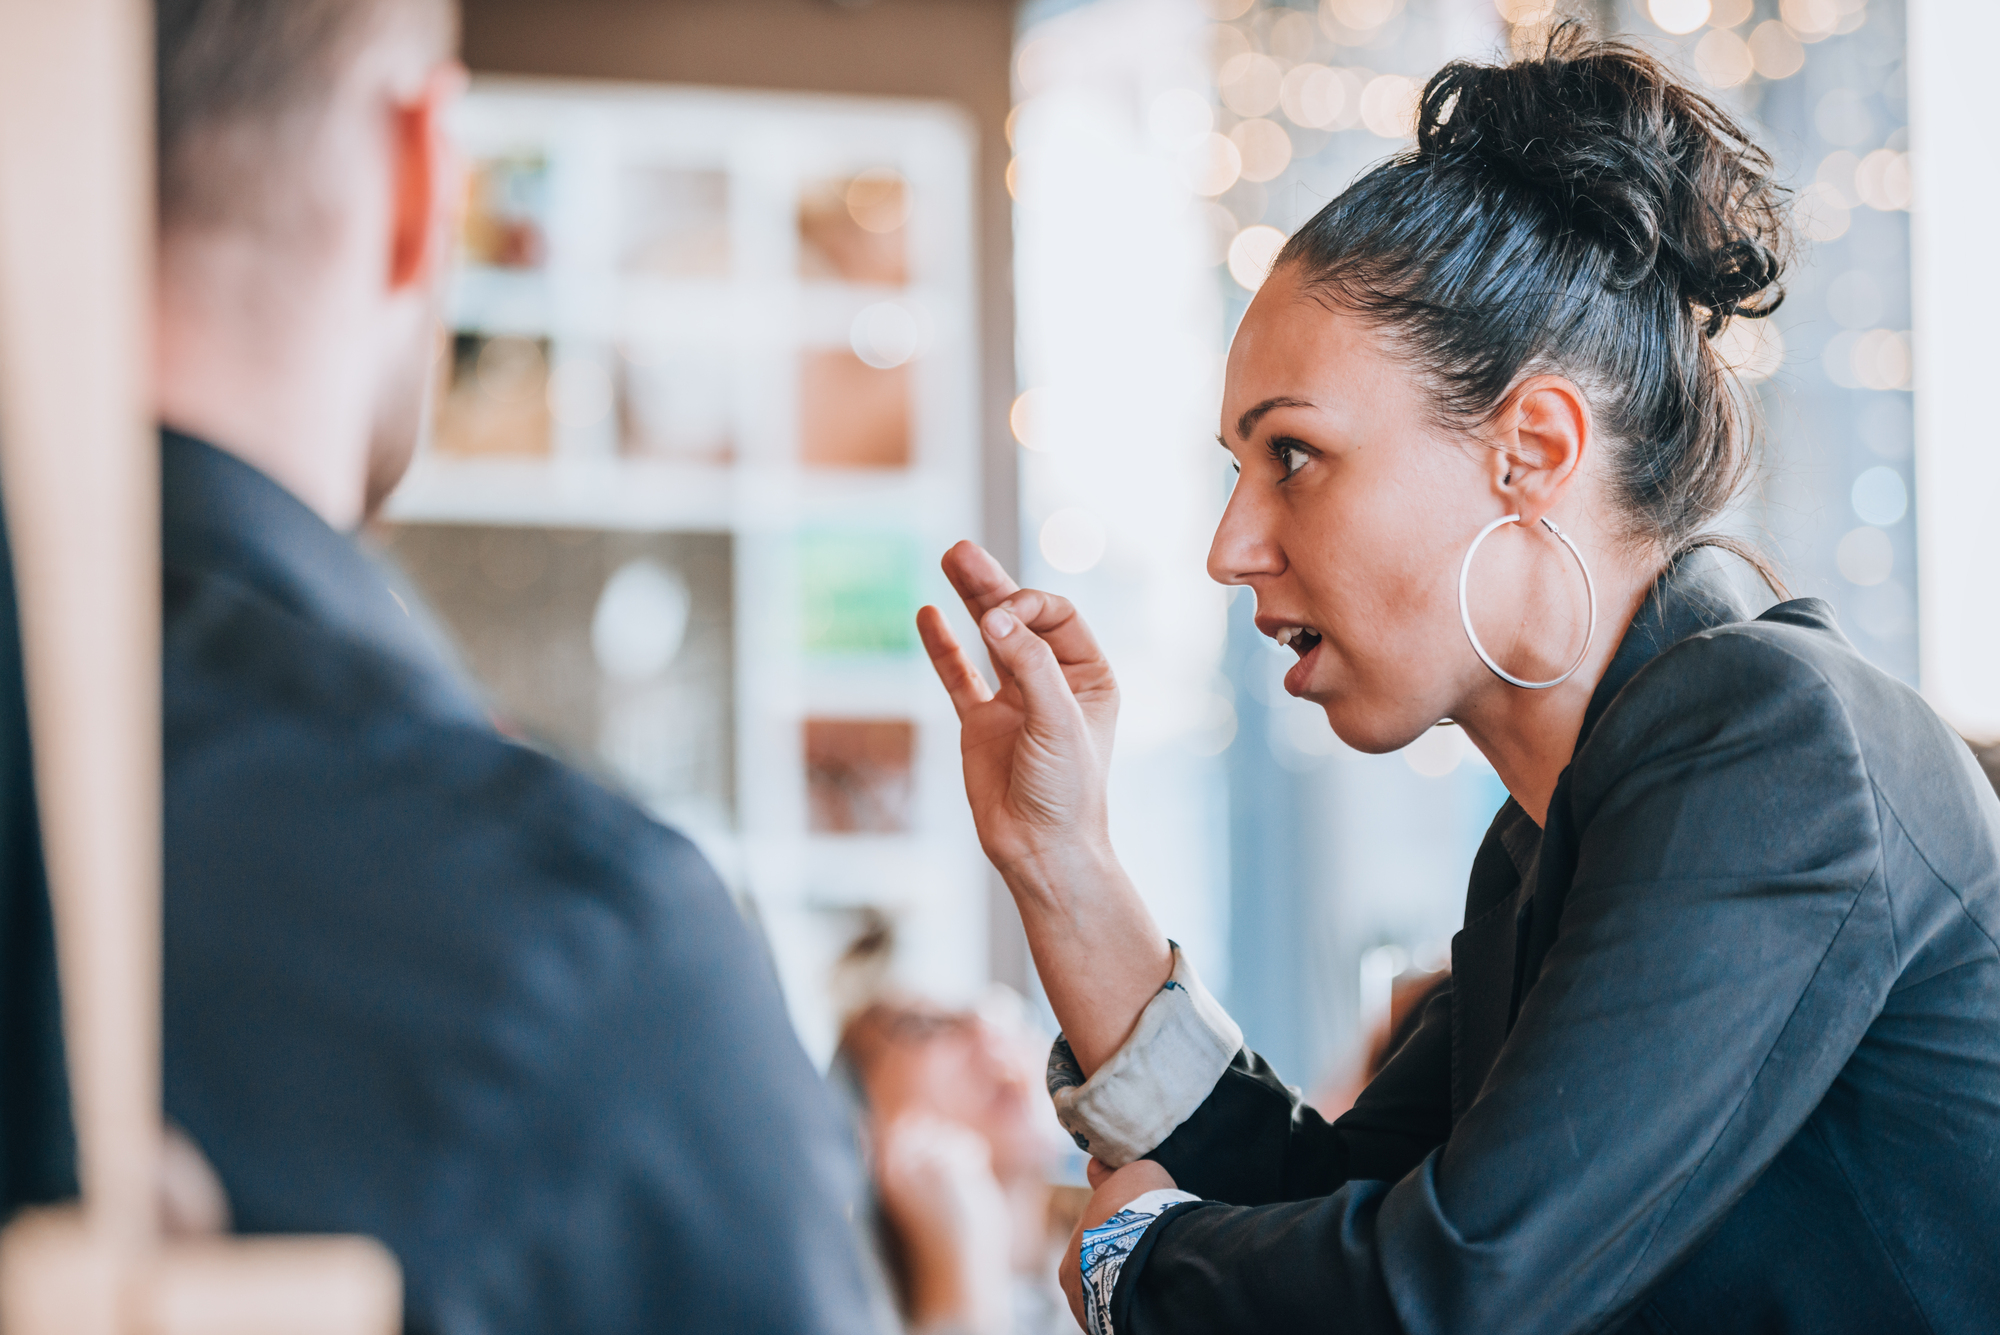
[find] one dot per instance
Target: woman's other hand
(951, 1216)
(1113, 1191)
(1037, 753)
(1037, 750)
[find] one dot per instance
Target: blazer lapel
(1482, 978)
(1555, 868)
(1486, 955)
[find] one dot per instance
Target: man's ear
(428, 186)
(1538, 442)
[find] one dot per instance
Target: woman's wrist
(1099, 954)
(1055, 878)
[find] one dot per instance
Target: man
(421, 983)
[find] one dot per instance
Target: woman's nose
(1244, 546)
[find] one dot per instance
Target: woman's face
(1349, 518)
(959, 1066)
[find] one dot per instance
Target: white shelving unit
(749, 323)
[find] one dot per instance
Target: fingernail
(1000, 623)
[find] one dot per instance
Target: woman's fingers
(1027, 659)
(979, 579)
(962, 680)
(983, 584)
(1055, 619)
(980, 582)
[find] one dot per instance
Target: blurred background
(761, 304)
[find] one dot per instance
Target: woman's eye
(1292, 459)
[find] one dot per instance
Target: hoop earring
(1465, 614)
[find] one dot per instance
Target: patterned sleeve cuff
(1182, 1044)
(1106, 1247)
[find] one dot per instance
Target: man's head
(305, 193)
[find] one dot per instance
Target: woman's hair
(1583, 213)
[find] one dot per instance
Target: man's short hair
(239, 81)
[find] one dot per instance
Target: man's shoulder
(229, 639)
(429, 984)
(300, 751)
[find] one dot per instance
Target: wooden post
(82, 490)
(80, 460)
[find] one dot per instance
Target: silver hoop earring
(1465, 613)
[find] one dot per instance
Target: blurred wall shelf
(717, 350)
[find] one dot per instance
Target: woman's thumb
(1027, 657)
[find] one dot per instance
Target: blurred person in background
(962, 1144)
(1988, 756)
(1410, 994)
(1720, 1050)
(421, 983)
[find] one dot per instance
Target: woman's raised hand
(1037, 753)
(1037, 749)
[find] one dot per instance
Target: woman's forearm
(1036, 751)
(1100, 955)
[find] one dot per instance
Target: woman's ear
(1538, 444)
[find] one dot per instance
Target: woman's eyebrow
(1251, 416)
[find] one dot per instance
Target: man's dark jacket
(37, 1145)
(427, 984)
(1720, 1054)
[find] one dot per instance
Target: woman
(1721, 1049)
(961, 1158)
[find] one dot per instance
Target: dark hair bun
(1624, 153)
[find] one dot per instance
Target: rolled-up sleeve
(1182, 1044)
(1723, 945)
(1250, 1138)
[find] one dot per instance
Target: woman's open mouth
(1300, 639)
(1303, 641)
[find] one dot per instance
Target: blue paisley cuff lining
(1182, 1044)
(1106, 1247)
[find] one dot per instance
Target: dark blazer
(428, 984)
(1720, 1053)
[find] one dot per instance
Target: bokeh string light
(1775, 51)
(1251, 253)
(1724, 60)
(1389, 106)
(1212, 164)
(1264, 148)
(1249, 83)
(1313, 96)
(1073, 540)
(1679, 16)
